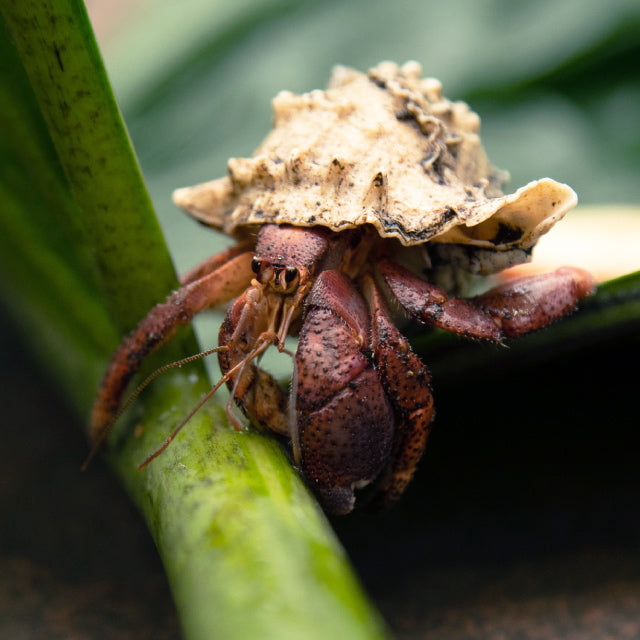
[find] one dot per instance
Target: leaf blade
(211, 574)
(114, 209)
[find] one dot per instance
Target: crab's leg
(511, 309)
(248, 328)
(225, 282)
(344, 421)
(214, 262)
(406, 381)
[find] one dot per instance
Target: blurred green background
(522, 523)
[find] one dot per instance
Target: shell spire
(387, 149)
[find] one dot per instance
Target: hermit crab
(368, 203)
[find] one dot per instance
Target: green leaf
(236, 528)
(113, 210)
(247, 551)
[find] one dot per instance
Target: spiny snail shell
(385, 149)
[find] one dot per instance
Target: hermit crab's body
(374, 191)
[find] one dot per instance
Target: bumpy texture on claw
(523, 305)
(406, 381)
(345, 423)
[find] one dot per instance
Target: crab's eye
(256, 263)
(290, 274)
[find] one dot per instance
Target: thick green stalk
(246, 549)
(64, 66)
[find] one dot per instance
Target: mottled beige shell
(386, 149)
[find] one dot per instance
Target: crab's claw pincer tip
(584, 282)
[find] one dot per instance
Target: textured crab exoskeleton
(376, 190)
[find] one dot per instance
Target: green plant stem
(64, 66)
(246, 549)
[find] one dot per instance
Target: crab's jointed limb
(229, 275)
(248, 329)
(406, 380)
(509, 310)
(526, 304)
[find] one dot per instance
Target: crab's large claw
(345, 422)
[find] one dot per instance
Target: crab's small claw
(246, 334)
(523, 305)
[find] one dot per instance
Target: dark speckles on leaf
(64, 108)
(58, 57)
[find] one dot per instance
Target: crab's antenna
(129, 401)
(193, 411)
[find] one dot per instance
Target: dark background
(522, 522)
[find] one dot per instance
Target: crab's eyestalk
(289, 279)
